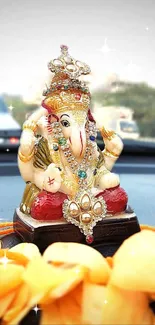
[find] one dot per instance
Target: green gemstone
(65, 86)
(82, 174)
(62, 141)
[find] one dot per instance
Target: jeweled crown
(66, 91)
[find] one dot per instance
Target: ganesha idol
(68, 178)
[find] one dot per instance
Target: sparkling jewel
(89, 239)
(92, 137)
(64, 48)
(62, 141)
(24, 207)
(78, 96)
(86, 218)
(85, 202)
(67, 59)
(74, 209)
(55, 147)
(71, 67)
(97, 208)
(63, 148)
(82, 174)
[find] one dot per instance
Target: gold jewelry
(84, 211)
(67, 91)
(72, 185)
(109, 135)
(110, 154)
(60, 102)
(68, 65)
(60, 143)
(25, 158)
(30, 125)
(101, 173)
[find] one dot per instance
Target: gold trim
(30, 125)
(110, 154)
(109, 135)
(24, 158)
(63, 101)
(30, 193)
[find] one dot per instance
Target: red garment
(115, 198)
(48, 206)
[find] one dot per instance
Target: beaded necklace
(82, 209)
(79, 170)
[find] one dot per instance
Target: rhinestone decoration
(70, 67)
(84, 212)
(66, 64)
(62, 141)
(55, 147)
(66, 85)
(82, 174)
(78, 169)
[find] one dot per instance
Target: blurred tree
(20, 108)
(138, 96)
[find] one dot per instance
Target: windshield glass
(3, 107)
(128, 127)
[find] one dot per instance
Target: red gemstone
(64, 47)
(77, 96)
(89, 239)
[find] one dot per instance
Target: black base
(108, 234)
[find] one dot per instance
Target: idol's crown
(68, 65)
(66, 91)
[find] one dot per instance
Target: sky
(112, 36)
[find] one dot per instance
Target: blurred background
(116, 38)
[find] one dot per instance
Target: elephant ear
(42, 157)
(90, 116)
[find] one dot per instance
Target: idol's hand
(112, 141)
(30, 126)
(27, 142)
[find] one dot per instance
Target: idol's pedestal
(108, 234)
